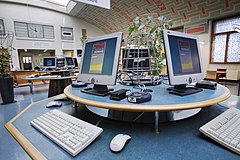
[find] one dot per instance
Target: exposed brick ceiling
(181, 12)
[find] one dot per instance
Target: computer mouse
(118, 142)
(53, 104)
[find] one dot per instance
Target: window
(27, 59)
(225, 41)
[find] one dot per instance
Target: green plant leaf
(131, 29)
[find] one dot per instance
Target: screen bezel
(49, 66)
(98, 78)
(180, 79)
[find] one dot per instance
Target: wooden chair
(211, 75)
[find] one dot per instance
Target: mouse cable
(100, 121)
(140, 115)
(131, 122)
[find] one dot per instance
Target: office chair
(211, 75)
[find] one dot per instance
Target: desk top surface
(62, 70)
(48, 77)
(161, 99)
(176, 140)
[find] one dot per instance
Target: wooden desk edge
(148, 108)
(23, 141)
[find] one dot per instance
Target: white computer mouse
(54, 104)
(118, 142)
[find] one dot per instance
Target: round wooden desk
(161, 100)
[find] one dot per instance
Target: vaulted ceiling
(181, 12)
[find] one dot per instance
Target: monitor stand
(99, 90)
(183, 90)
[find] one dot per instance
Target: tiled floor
(232, 86)
(8, 146)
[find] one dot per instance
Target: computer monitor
(60, 63)
(183, 61)
(75, 62)
(69, 62)
(49, 62)
(99, 63)
(136, 60)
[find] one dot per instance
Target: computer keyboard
(70, 133)
(225, 129)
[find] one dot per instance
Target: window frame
(227, 40)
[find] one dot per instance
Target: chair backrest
(211, 75)
(221, 75)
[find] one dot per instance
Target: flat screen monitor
(99, 62)
(69, 62)
(60, 63)
(49, 62)
(183, 58)
(75, 62)
(136, 60)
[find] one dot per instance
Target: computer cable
(142, 87)
(134, 120)
(121, 81)
(99, 121)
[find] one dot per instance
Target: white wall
(14, 12)
(204, 41)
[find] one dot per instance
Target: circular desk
(161, 100)
(56, 84)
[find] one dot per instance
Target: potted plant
(148, 29)
(6, 81)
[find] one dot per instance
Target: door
(27, 63)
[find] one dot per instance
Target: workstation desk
(161, 101)
(62, 72)
(176, 140)
(56, 84)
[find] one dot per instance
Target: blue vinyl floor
(9, 147)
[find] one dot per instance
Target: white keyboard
(225, 129)
(70, 133)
